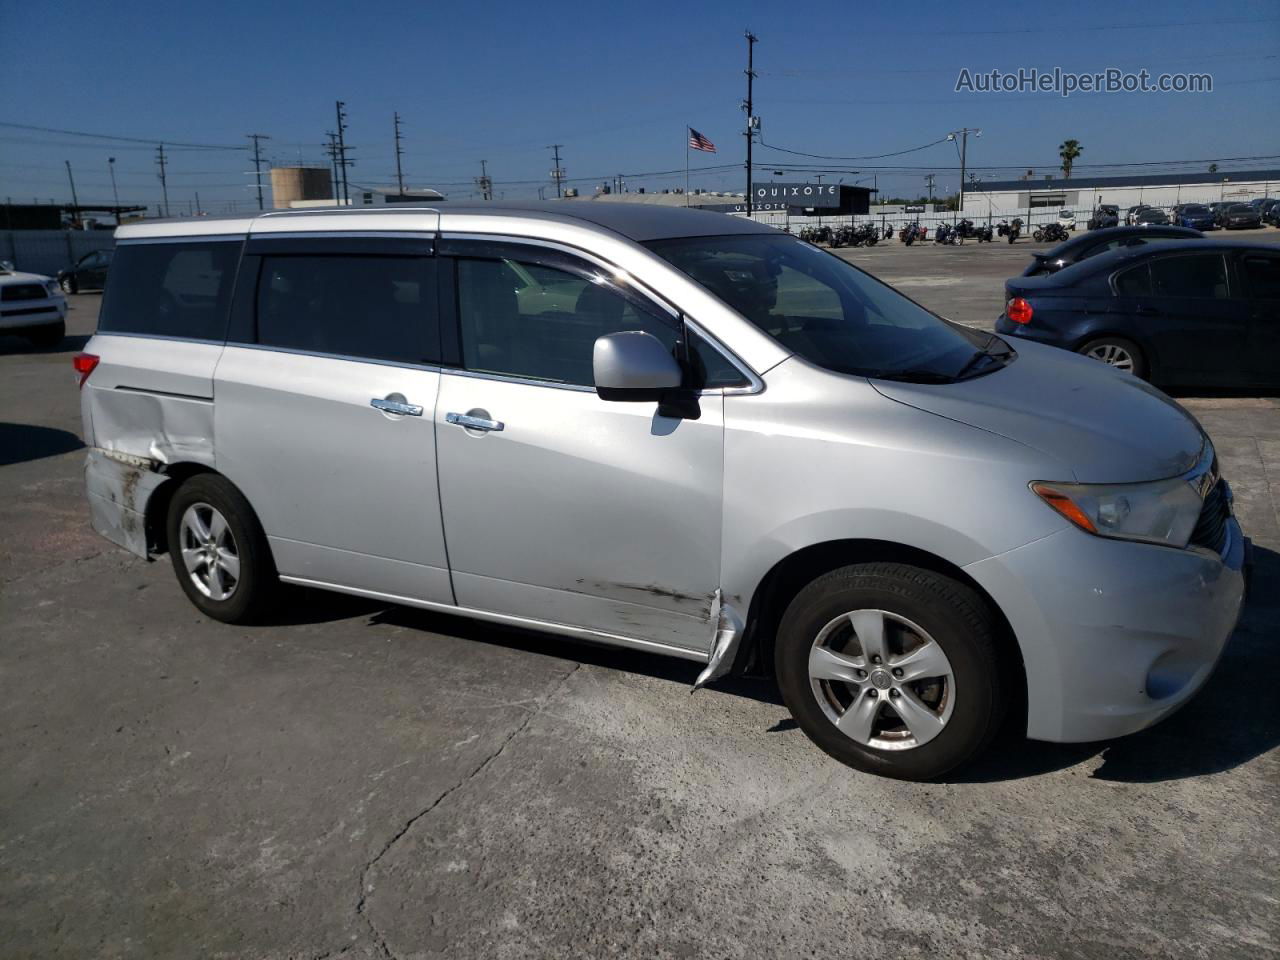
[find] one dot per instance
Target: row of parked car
(1162, 302)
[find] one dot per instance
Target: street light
(111, 165)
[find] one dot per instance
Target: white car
(1067, 219)
(31, 306)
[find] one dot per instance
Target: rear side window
(1199, 276)
(170, 289)
(1262, 277)
(369, 307)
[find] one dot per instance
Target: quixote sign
(795, 195)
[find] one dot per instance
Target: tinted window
(821, 307)
(170, 289)
(1134, 282)
(1262, 277)
(375, 307)
(530, 320)
(1200, 276)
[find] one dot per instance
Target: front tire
(219, 552)
(68, 285)
(48, 337)
(892, 669)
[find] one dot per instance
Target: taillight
(84, 364)
(1018, 310)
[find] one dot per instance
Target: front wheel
(1117, 352)
(1038, 236)
(68, 285)
(892, 669)
(219, 552)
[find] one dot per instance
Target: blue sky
(615, 84)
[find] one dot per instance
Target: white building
(1082, 194)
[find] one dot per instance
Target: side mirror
(634, 366)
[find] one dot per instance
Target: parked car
(89, 273)
(1240, 216)
(1067, 219)
(31, 306)
(730, 447)
(1131, 216)
(1101, 241)
(1106, 215)
(1195, 215)
(1266, 207)
(1194, 313)
(1273, 214)
(1151, 215)
(1217, 207)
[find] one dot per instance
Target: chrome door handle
(473, 423)
(396, 406)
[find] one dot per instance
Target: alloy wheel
(882, 680)
(209, 551)
(1113, 355)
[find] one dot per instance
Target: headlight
(51, 287)
(1163, 512)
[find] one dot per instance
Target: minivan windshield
(829, 312)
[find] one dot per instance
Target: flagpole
(687, 135)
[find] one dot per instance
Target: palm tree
(1213, 168)
(1068, 150)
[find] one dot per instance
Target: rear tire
(887, 720)
(220, 554)
(1117, 352)
(68, 285)
(48, 337)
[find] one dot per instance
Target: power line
(103, 136)
(875, 156)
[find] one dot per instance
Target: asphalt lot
(368, 781)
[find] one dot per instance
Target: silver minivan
(670, 430)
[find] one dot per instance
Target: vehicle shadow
(1232, 720)
(20, 442)
(10, 344)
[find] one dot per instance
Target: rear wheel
(1117, 352)
(68, 285)
(892, 669)
(219, 552)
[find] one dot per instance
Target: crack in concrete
(379, 940)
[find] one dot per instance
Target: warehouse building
(1084, 194)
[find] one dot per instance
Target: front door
(1260, 273)
(557, 505)
(324, 399)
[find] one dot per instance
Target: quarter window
(171, 289)
(371, 307)
(1198, 276)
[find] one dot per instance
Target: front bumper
(30, 314)
(1114, 635)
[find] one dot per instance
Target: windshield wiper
(986, 353)
(912, 376)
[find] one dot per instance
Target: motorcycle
(1051, 232)
(870, 235)
(1015, 228)
(888, 231)
(1002, 228)
(984, 234)
(911, 233)
(964, 231)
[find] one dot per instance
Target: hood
(17, 276)
(1105, 426)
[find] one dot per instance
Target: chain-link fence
(48, 251)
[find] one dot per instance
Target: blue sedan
(1197, 217)
(1194, 313)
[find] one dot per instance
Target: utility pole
(257, 161)
(75, 202)
(399, 153)
(751, 117)
(963, 134)
(332, 150)
(557, 173)
(111, 165)
(164, 184)
(342, 148)
(929, 181)
(484, 183)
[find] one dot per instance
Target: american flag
(699, 142)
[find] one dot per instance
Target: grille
(23, 291)
(28, 311)
(1211, 528)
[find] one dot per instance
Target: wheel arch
(157, 509)
(791, 573)
(1149, 355)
